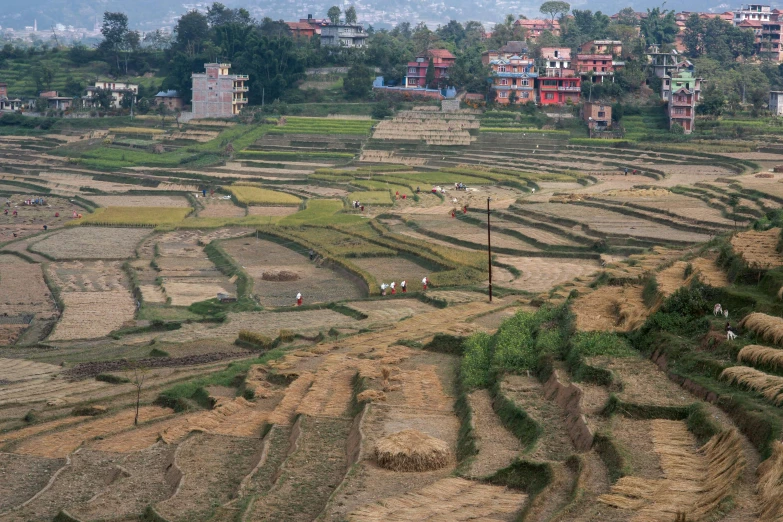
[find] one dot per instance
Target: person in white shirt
(424, 283)
(393, 285)
(299, 299)
(383, 288)
(404, 286)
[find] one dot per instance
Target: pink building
(442, 60)
(217, 94)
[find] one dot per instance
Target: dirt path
(497, 446)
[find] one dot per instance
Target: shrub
(476, 361)
(111, 379)
(286, 336)
(588, 344)
(650, 291)
(262, 341)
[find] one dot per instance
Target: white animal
(730, 335)
(717, 309)
(726, 314)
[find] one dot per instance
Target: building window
(525, 95)
(502, 68)
(503, 82)
(601, 114)
(550, 96)
(524, 83)
(503, 94)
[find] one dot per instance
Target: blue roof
(167, 94)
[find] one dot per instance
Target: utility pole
(489, 251)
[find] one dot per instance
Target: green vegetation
(134, 216)
(296, 125)
(252, 195)
(371, 197)
(319, 212)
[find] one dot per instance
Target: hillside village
(310, 270)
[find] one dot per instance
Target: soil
(89, 315)
(91, 369)
(316, 283)
(91, 243)
(23, 291)
(88, 276)
(540, 274)
(636, 444)
(31, 219)
(220, 208)
(22, 476)
(389, 311)
(394, 269)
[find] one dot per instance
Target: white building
(752, 12)
(776, 102)
(118, 91)
(344, 35)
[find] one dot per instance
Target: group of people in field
(357, 205)
(384, 287)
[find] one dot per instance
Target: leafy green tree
(80, 54)
(390, 53)
(402, 30)
(659, 27)
(552, 8)
(632, 76)
(429, 77)
(712, 101)
(452, 32)
(627, 16)
(73, 87)
(468, 72)
(103, 98)
(334, 14)
(505, 32)
(43, 76)
(692, 37)
(422, 38)
(350, 15)
(218, 14)
(358, 82)
(114, 31)
(191, 31)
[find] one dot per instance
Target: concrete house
(598, 115)
(775, 102)
(344, 35)
(217, 94)
(6, 103)
(442, 60)
(513, 80)
(119, 90)
(171, 99)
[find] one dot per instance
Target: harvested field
(316, 284)
(642, 381)
(448, 499)
(92, 315)
(540, 274)
(770, 474)
(294, 393)
(141, 201)
(23, 291)
(91, 243)
(18, 370)
(88, 276)
(709, 273)
(497, 447)
(694, 482)
(422, 390)
(31, 219)
(397, 269)
(60, 443)
(758, 248)
(754, 354)
(250, 195)
(213, 467)
(610, 222)
(29, 431)
(272, 211)
(136, 216)
(184, 291)
(330, 393)
(612, 308)
(220, 208)
(455, 228)
(682, 206)
(672, 279)
(387, 312)
(23, 476)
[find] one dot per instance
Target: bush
(381, 110)
(588, 344)
(476, 361)
(111, 379)
(650, 291)
(262, 341)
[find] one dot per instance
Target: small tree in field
(136, 375)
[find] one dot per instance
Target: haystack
(412, 450)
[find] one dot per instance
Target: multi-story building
(663, 64)
(682, 91)
(613, 47)
(513, 80)
(556, 57)
(558, 87)
(776, 102)
(768, 43)
(344, 35)
(119, 90)
(301, 29)
(752, 12)
(597, 66)
(534, 28)
(442, 60)
(598, 115)
(217, 94)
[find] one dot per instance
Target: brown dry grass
(709, 273)
(758, 248)
(89, 315)
(770, 485)
(770, 386)
(292, 398)
(770, 328)
(613, 308)
(695, 483)
(412, 450)
(452, 499)
(422, 390)
(756, 354)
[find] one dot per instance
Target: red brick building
(559, 86)
(217, 94)
(301, 29)
(534, 28)
(442, 60)
(597, 66)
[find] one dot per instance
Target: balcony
(238, 88)
(239, 100)
(242, 76)
(676, 103)
(569, 89)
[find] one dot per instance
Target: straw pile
(767, 385)
(756, 354)
(770, 484)
(412, 450)
(452, 499)
(371, 396)
(768, 327)
(696, 481)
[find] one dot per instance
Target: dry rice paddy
(141, 201)
(91, 243)
(758, 248)
(610, 308)
(89, 315)
(540, 274)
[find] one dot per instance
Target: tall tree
(552, 8)
(429, 77)
(334, 14)
(114, 30)
(350, 15)
(191, 31)
(659, 27)
(468, 71)
(693, 36)
(452, 32)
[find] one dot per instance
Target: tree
(350, 15)
(554, 8)
(659, 27)
(429, 77)
(692, 38)
(358, 82)
(190, 33)
(43, 76)
(103, 98)
(218, 14)
(468, 71)
(627, 16)
(136, 375)
(114, 30)
(712, 101)
(423, 39)
(334, 14)
(452, 32)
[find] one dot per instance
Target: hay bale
(770, 328)
(755, 354)
(279, 275)
(412, 450)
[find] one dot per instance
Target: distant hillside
(152, 14)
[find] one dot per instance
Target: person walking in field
(383, 288)
(424, 283)
(404, 286)
(299, 299)
(392, 286)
